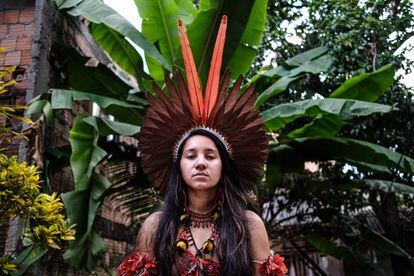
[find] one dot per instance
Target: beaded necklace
(192, 219)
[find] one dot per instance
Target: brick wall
(16, 36)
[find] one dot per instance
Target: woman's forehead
(199, 142)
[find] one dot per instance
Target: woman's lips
(200, 175)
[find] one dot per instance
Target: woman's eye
(211, 157)
(190, 156)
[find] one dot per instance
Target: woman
(204, 156)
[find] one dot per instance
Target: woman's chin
(202, 186)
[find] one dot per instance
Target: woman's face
(200, 163)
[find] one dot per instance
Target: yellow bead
(184, 216)
(182, 244)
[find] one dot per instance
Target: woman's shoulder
(147, 232)
(258, 235)
(254, 222)
(252, 217)
(152, 220)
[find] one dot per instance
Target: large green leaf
(282, 159)
(122, 110)
(386, 186)
(276, 88)
(368, 86)
(82, 204)
(244, 18)
(81, 208)
(120, 50)
(99, 80)
(99, 84)
(327, 125)
(342, 252)
(98, 12)
(41, 104)
(27, 257)
(367, 156)
(375, 239)
(280, 115)
(86, 153)
(305, 57)
(63, 99)
(106, 127)
(246, 52)
(313, 61)
(159, 25)
(384, 244)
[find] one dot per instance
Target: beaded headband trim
(210, 130)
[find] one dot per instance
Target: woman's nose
(200, 163)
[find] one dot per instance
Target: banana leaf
(82, 204)
(278, 116)
(245, 28)
(327, 125)
(99, 13)
(27, 257)
(366, 156)
(313, 61)
(120, 51)
(342, 252)
(367, 86)
(122, 111)
(98, 80)
(159, 26)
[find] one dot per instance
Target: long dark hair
(234, 251)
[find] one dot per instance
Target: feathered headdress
(231, 118)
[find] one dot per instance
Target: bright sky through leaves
(128, 10)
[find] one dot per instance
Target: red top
(142, 264)
(189, 265)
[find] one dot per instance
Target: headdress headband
(232, 118)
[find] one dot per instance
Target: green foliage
(367, 86)
(122, 52)
(85, 251)
(6, 265)
(47, 225)
(280, 115)
(342, 252)
(41, 214)
(160, 27)
(99, 13)
(313, 61)
(19, 186)
(9, 111)
(245, 26)
(353, 172)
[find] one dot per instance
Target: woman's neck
(201, 201)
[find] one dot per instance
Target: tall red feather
(214, 73)
(196, 97)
